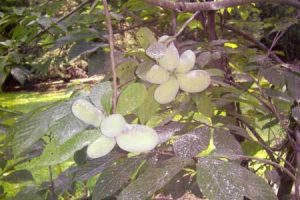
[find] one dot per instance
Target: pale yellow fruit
(156, 50)
(112, 125)
(137, 138)
(87, 112)
(166, 92)
(170, 59)
(194, 81)
(157, 75)
(101, 147)
(163, 38)
(186, 62)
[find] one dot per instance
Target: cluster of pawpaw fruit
(133, 138)
(173, 72)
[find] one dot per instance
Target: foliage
(204, 137)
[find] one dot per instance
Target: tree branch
(112, 57)
(205, 6)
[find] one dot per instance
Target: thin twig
(52, 183)
(186, 23)
(112, 57)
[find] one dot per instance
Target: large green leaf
(113, 178)
(31, 127)
(131, 98)
(101, 96)
(221, 180)
(65, 128)
(192, 143)
(55, 153)
(153, 179)
(149, 106)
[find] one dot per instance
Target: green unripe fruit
(86, 112)
(102, 146)
(194, 81)
(170, 59)
(166, 92)
(137, 139)
(157, 75)
(186, 62)
(113, 125)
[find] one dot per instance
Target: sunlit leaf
(131, 98)
(149, 106)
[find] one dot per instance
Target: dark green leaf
(93, 167)
(113, 178)
(82, 48)
(296, 113)
(18, 176)
(293, 82)
(226, 143)
(220, 180)
(131, 98)
(153, 179)
(192, 143)
(273, 75)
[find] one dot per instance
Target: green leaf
(76, 36)
(192, 143)
(55, 153)
(296, 113)
(65, 128)
(220, 180)
(145, 37)
(18, 176)
(153, 179)
(131, 98)
(204, 104)
(273, 75)
(83, 47)
(113, 178)
(226, 143)
(101, 96)
(32, 126)
(126, 71)
(149, 106)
